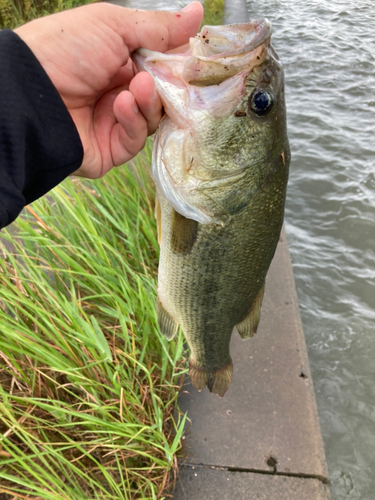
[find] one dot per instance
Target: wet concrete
(235, 11)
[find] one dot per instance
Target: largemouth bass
(220, 164)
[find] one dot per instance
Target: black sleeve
(39, 143)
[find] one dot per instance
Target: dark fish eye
(261, 102)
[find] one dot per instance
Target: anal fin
(167, 325)
(184, 233)
(248, 327)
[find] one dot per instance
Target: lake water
(328, 52)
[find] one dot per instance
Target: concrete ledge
(235, 11)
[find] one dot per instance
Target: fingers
(129, 134)
(85, 52)
(143, 88)
(138, 112)
(122, 120)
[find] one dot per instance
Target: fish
(220, 164)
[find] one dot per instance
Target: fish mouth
(240, 38)
(215, 54)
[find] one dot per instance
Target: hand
(86, 53)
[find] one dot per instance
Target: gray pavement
(235, 11)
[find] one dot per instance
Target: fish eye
(261, 102)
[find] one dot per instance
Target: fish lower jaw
(217, 381)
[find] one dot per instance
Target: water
(328, 51)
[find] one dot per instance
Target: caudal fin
(216, 381)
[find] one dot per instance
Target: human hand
(86, 53)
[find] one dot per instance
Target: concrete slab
(210, 484)
(267, 421)
(235, 11)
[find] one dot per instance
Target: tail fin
(217, 381)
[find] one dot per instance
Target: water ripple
(327, 48)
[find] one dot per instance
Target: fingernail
(188, 8)
(135, 107)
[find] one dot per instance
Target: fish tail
(199, 376)
(217, 381)
(221, 379)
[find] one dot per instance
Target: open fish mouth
(216, 54)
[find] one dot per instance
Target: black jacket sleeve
(39, 143)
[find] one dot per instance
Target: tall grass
(16, 12)
(88, 384)
(213, 12)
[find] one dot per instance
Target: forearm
(39, 143)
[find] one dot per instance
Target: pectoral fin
(248, 327)
(184, 233)
(167, 325)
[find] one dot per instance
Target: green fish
(220, 164)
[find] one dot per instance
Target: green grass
(88, 383)
(16, 12)
(213, 12)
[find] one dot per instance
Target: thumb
(156, 30)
